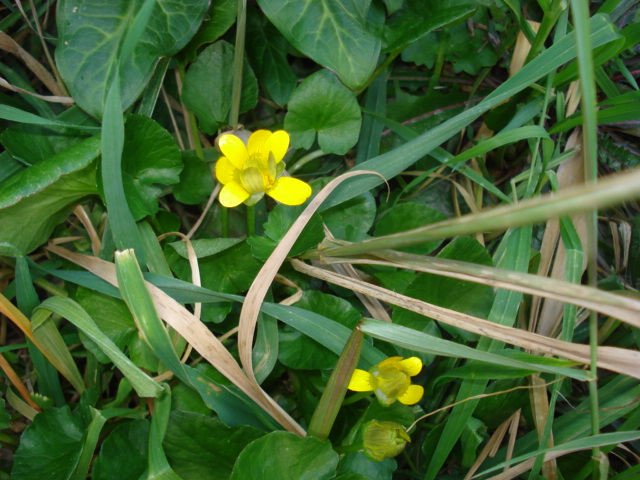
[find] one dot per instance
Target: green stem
(224, 220)
(333, 395)
(251, 219)
(548, 21)
(304, 160)
(580, 16)
(238, 60)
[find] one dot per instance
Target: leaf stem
(238, 59)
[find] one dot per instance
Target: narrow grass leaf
(67, 308)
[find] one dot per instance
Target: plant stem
(580, 16)
(251, 219)
(238, 60)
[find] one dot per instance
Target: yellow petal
(412, 395)
(233, 148)
(233, 194)
(360, 381)
(391, 361)
(257, 142)
(411, 366)
(225, 171)
(278, 144)
(290, 191)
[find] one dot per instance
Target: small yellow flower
(382, 439)
(390, 380)
(249, 171)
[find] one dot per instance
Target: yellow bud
(383, 439)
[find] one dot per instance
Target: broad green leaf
(201, 447)
(285, 456)
(322, 105)
(416, 18)
(151, 160)
(267, 50)
(90, 35)
(196, 182)
(332, 32)
(50, 447)
(301, 352)
(353, 219)
(124, 453)
(22, 215)
(406, 216)
(359, 463)
(221, 15)
(208, 85)
(465, 297)
(280, 220)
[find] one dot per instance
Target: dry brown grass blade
(570, 173)
(540, 408)
(528, 464)
(262, 282)
(46, 98)
(611, 358)
(373, 305)
(622, 307)
(8, 44)
(195, 333)
(17, 383)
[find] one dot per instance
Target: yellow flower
(390, 380)
(382, 439)
(249, 171)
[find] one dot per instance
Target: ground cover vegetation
(319, 239)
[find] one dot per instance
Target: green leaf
(405, 217)
(91, 34)
(267, 50)
(205, 247)
(5, 418)
(353, 219)
(196, 182)
(151, 160)
(322, 105)
(208, 85)
(221, 15)
(285, 456)
(124, 453)
(417, 18)
(50, 447)
(465, 297)
(332, 32)
(359, 463)
(54, 186)
(201, 447)
(280, 220)
(301, 352)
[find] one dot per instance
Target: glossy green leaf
(90, 34)
(334, 33)
(406, 216)
(267, 50)
(353, 219)
(280, 220)
(465, 297)
(201, 447)
(301, 352)
(208, 85)
(359, 463)
(124, 453)
(322, 105)
(305, 459)
(205, 247)
(151, 160)
(221, 15)
(416, 18)
(50, 447)
(196, 182)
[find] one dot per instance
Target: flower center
(391, 383)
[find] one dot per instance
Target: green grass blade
(89, 443)
(67, 308)
(123, 226)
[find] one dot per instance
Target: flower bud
(383, 439)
